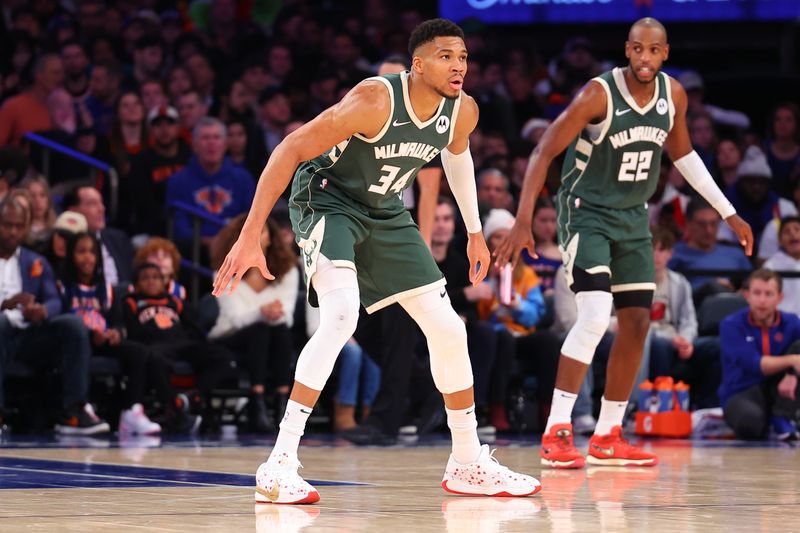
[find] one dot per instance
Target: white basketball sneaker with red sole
(487, 477)
(277, 481)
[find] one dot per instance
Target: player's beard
(443, 94)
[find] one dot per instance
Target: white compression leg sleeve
(594, 314)
(446, 336)
(337, 288)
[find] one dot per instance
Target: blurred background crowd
(132, 135)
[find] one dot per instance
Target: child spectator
(86, 294)
(165, 255)
(157, 319)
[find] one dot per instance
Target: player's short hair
(765, 274)
(431, 29)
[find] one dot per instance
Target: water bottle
(664, 392)
(682, 394)
(645, 396)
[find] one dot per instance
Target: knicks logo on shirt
(214, 199)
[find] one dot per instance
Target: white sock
(561, 408)
(464, 429)
(611, 414)
(292, 427)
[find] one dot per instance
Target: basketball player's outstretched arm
(587, 107)
(365, 109)
(679, 147)
(460, 171)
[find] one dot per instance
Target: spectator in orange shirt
(28, 111)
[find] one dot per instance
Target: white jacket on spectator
(782, 261)
(681, 306)
(243, 307)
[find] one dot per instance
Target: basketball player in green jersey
(614, 132)
(359, 244)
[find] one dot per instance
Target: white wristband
(460, 172)
(696, 173)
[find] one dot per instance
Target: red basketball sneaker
(558, 449)
(614, 450)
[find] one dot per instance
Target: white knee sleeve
(446, 336)
(594, 314)
(337, 288)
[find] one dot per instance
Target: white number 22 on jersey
(635, 166)
(388, 178)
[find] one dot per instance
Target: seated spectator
(152, 169)
(165, 255)
(673, 322)
(672, 347)
(115, 244)
(157, 319)
(28, 111)
(66, 226)
(760, 361)
(31, 329)
(191, 109)
(544, 236)
(703, 137)
(668, 204)
(71, 121)
(153, 95)
(783, 148)
(787, 259)
(85, 294)
(701, 251)
(491, 349)
(43, 215)
(241, 147)
(104, 83)
(128, 134)
(756, 203)
(493, 191)
(729, 156)
(209, 182)
(255, 320)
(274, 113)
(179, 82)
(693, 84)
(537, 351)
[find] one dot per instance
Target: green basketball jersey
(616, 163)
(374, 172)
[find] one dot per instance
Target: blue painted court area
(20, 473)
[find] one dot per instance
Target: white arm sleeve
(460, 172)
(696, 173)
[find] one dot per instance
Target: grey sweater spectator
(787, 259)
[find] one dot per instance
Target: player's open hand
(244, 255)
(479, 257)
(519, 238)
(743, 232)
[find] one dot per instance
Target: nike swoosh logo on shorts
(620, 112)
(395, 123)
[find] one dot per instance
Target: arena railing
(194, 265)
(95, 166)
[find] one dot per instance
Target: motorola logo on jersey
(442, 123)
(661, 106)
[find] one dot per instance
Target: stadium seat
(714, 309)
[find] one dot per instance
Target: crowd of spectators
(187, 103)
